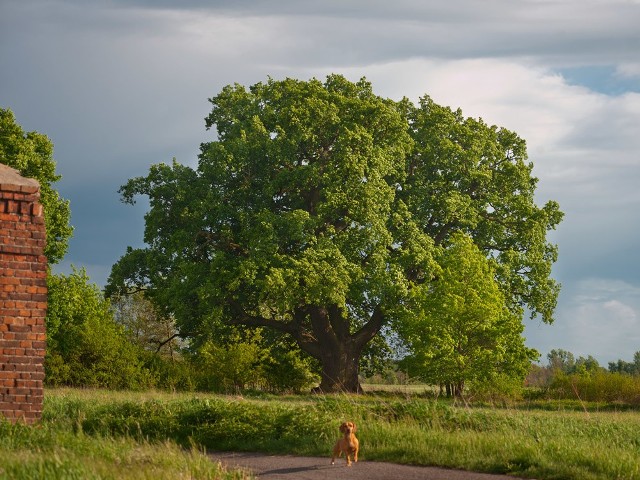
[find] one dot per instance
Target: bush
(86, 347)
(289, 371)
(600, 386)
(252, 359)
(233, 366)
(171, 374)
(498, 389)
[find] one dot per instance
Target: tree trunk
(458, 388)
(340, 370)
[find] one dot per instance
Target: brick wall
(23, 297)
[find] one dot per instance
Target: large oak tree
(317, 211)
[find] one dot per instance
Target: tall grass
(58, 448)
(572, 441)
(567, 443)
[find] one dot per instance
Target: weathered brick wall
(23, 297)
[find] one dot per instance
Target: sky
(119, 85)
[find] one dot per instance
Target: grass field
(408, 389)
(99, 434)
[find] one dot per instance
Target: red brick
(19, 328)
(23, 298)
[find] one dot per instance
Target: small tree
(587, 366)
(235, 364)
(622, 366)
(145, 326)
(561, 360)
(465, 332)
(31, 153)
(85, 346)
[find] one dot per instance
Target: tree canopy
(31, 153)
(318, 211)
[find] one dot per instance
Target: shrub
(289, 371)
(600, 386)
(497, 389)
(233, 366)
(86, 347)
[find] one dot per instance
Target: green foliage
(470, 177)
(252, 359)
(172, 374)
(145, 326)
(583, 380)
(599, 386)
(317, 212)
(565, 362)
(498, 389)
(56, 448)
(86, 347)
(631, 368)
(287, 369)
(465, 332)
(561, 360)
(524, 443)
(234, 365)
(31, 153)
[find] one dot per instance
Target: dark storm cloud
(342, 33)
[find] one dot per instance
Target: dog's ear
(354, 427)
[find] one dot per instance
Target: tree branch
(444, 230)
(306, 341)
(164, 342)
(370, 329)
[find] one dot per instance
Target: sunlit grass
(58, 447)
(151, 434)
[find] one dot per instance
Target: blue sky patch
(601, 78)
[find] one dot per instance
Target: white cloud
(627, 315)
(629, 70)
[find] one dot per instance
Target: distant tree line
(582, 378)
(563, 361)
(630, 368)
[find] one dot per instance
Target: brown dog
(348, 443)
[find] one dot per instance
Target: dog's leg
(336, 453)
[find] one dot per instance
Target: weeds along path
(288, 467)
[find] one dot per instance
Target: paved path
(279, 467)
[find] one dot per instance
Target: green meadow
(105, 434)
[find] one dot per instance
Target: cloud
(120, 85)
(629, 70)
(361, 31)
(582, 143)
(599, 317)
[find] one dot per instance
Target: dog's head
(348, 428)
